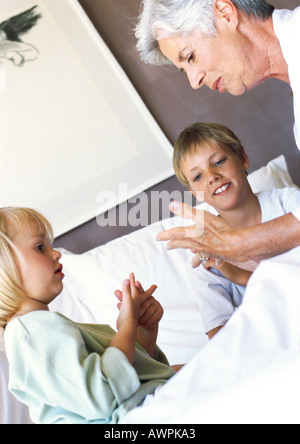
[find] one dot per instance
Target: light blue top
(68, 373)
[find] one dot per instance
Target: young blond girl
(64, 371)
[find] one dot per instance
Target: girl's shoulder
(38, 322)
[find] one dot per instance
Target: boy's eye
(40, 247)
(197, 178)
(220, 162)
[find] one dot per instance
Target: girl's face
(39, 264)
(219, 173)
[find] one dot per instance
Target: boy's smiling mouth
(221, 190)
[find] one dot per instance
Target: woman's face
(223, 61)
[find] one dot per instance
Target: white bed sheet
(92, 278)
(249, 372)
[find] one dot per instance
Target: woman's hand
(211, 235)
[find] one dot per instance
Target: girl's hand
(127, 323)
(130, 303)
(149, 310)
(149, 315)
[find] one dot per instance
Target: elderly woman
(228, 45)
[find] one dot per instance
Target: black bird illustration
(12, 47)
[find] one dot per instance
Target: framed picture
(72, 126)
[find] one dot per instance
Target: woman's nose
(196, 77)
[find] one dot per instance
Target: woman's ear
(226, 10)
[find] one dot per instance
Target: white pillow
(274, 175)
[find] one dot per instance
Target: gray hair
(182, 17)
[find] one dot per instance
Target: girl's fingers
(119, 295)
(139, 287)
(152, 316)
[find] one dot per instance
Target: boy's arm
(232, 272)
(213, 332)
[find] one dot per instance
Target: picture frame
(74, 129)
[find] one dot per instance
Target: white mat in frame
(72, 125)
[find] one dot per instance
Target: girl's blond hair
(14, 220)
(195, 135)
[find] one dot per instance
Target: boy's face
(219, 173)
(39, 264)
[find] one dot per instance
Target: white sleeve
(296, 213)
(291, 201)
(217, 298)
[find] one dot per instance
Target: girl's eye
(40, 247)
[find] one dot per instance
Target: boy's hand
(233, 273)
(197, 260)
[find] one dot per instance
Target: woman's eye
(190, 58)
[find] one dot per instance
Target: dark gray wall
(262, 118)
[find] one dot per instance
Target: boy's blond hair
(195, 135)
(12, 292)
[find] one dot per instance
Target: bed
(92, 278)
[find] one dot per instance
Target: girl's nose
(57, 255)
